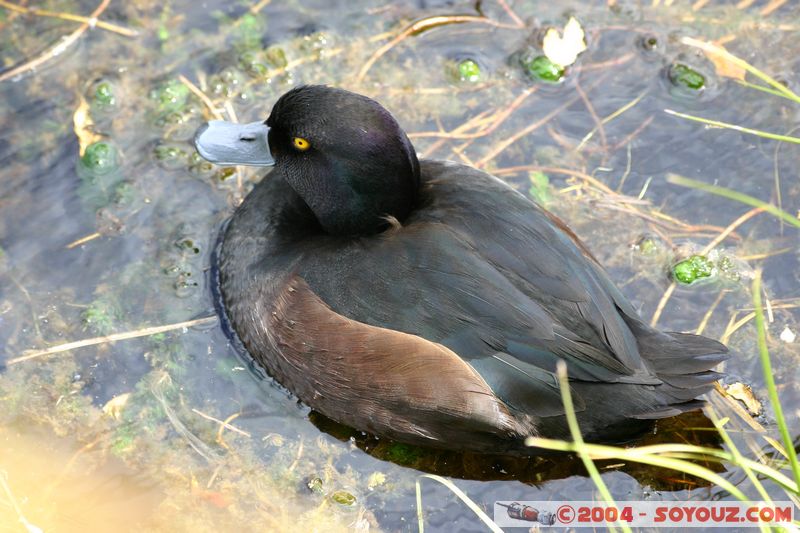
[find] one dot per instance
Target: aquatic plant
(685, 77)
(469, 70)
(540, 67)
(693, 269)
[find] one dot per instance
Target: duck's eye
(301, 144)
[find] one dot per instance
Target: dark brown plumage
(445, 327)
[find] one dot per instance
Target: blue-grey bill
(227, 143)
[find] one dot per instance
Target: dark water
(87, 252)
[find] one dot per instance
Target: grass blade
(757, 87)
(734, 195)
(737, 456)
(463, 497)
(766, 78)
(718, 124)
(636, 455)
(580, 446)
(769, 379)
(420, 519)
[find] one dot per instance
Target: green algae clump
(171, 96)
(170, 157)
(685, 77)
(403, 454)
(100, 158)
(540, 187)
(248, 33)
(543, 69)
(101, 316)
(692, 269)
(729, 269)
(469, 70)
(342, 497)
(647, 246)
(276, 56)
(103, 96)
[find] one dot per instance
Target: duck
(425, 301)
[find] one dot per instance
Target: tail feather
(687, 381)
(684, 362)
(681, 353)
(670, 410)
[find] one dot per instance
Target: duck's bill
(227, 143)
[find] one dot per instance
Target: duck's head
(343, 153)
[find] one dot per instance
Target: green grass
(580, 446)
(773, 87)
(460, 494)
(734, 195)
(684, 457)
(769, 379)
(726, 125)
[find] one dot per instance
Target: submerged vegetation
(542, 68)
(693, 269)
(113, 357)
(685, 77)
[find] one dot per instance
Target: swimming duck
(427, 301)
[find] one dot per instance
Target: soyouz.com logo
(642, 513)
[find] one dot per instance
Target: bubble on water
(103, 96)
(649, 42)
(228, 83)
(171, 156)
(172, 95)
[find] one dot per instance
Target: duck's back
(447, 330)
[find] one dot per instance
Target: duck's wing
(544, 260)
(427, 281)
(482, 271)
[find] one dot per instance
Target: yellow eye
(301, 144)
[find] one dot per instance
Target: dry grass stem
(771, 7)
(202, 96)
(497, 119)
(734, 325)
(731, 227)
(518, 21)
(297, 458)
(84, 240)
(56, 50)
(91, 21)
(662, 303)
(224, 424)
(259, 6)
(418, 27)
(144, 332)
(704, 322)
(27, 525)
(598, 123)
(635, 133)
(508, 141)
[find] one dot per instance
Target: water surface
(121, 240)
